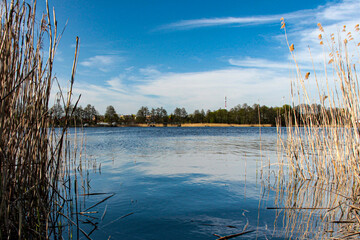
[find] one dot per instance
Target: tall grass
(321, 183)
(34, 156)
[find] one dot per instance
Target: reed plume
(321, 183)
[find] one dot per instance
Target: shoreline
(187, 125)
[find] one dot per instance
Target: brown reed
(318, 192)
(34, 156)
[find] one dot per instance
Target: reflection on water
(183, 183)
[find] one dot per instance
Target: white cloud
(342, 11)
(116, 83)
(102, 62)
(129, 69)
(304, 32)
(207, 22)
(332, 17)
(259, 63)
(193, 90)
(208, 89)
(235, 21)
(346, 10)
(150, 71)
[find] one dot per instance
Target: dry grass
(318, 191)
(36, 162)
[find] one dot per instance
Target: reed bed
(41, 176)
(318, 187)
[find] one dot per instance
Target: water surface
(182, 183)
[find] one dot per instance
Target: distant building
(103, 124)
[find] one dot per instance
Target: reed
(35, 157)
(319, 182)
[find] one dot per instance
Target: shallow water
(182, 183)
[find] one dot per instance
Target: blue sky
(190, 53)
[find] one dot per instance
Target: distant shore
(223, 125)
(188, 125)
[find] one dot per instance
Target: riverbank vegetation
(37, 162)
(240, 115)
(318, 183)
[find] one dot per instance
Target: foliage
(111, 115)
(240, 114)
(142, 114)
(80, 115)
(57, 112)
(90, 113)
(159, 115)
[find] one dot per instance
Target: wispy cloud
(258, 63)
(101, 62)
(333, 17)
(262, 63)
(117, 84)
(234, 21)
(150, 71)
(342, 11)
(208, 22)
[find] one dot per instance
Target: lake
(182, 183)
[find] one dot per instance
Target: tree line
(240, 114)
(79, 115)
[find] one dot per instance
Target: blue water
(181, 183)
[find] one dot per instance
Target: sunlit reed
(319, 177)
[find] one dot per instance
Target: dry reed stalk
(37, 165)
(322, 147)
